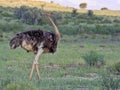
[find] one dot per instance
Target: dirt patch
(89, 76)
(52, 67)
(72, 66)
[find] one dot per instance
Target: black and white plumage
(33, 39)
(37, 41)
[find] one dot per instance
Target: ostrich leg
(36, 63)
(33, 66)
(38, 73)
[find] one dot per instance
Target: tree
(43, 5)
(26, 18)
(51, 1)
(20, 11)
(90, 13)
(74, 12)
(83, 5)
(104, 8)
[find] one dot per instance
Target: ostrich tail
(14, 42)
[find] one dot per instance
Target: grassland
(64, 70)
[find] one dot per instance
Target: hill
(34, 3)
(54, 7)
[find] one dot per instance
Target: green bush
(110, 82)
(90, 13)
(10, 27)
(5, 82)
(69, 29)
(117, 20)
(115, 68)
(26, 86)
(74, 12)
(11, 86)
(93, 58)
(34, 15)
(70, 23)
(6, 14)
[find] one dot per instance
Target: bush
(115, 68)
(34, 16)
(104, 8)
(93, 58)
(11, 26)
(11, 86)
(26, 86)
(74, 12)
(69, 29)
(90, 13)
(83, 5)
(110, 83)
(6, 14)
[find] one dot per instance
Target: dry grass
(55, 7)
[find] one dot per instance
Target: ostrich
(37, 41)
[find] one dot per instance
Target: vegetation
(54, 7)
(115, 68)
(82, 31)
(83, 5)
(93, 58)
(110, 83)
(104, 8)
(90, 13)
(66, 69)
(74, 12)
(68, 23)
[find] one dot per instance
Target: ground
(64, 70)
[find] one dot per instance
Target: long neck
(55, 28)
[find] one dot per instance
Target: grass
(64, 70)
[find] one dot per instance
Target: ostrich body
(37, 41)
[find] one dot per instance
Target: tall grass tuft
(93, 58)
(11, 86)
(115, 69)
(110, 82)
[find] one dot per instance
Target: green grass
(64, 70)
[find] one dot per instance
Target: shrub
(104, 8)
(74, 12)
(11, 86)
(7, 14)
(29, 15)
(69, 29)
(26, 86)
(90, 13)
(12, 26)
(93, 58)
(5, 82)
(83, 5)
(115, 68)
(117, 20)
(34, 15)
(110, 83)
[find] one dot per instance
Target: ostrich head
(15, 42)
